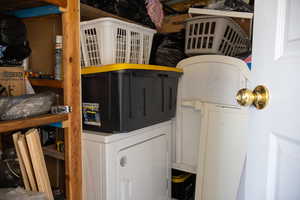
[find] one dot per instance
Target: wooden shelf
(8, 5)
(52, 152)
(88, 13)
(46, 83)
(13, 125)
(202, 11)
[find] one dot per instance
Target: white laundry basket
(215, 35)
(109, 41)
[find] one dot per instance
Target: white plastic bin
(214, 78)
(215, 35)
(109, 41)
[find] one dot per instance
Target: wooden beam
(24, 152)
(38, 163)
(72, 97)
(12, 125)
(21, 162)
(46, 83)
(62, 3)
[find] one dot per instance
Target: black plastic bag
(168, 49)
(13, 41)
(12, 31)
(26, 105)
(134, 10)
(106, 5)
(17, 52)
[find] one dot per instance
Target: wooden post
(72, 97)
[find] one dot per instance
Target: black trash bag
(12, 108)
(106, 5)
(134, 10)
(168, 49)
(13, 41)
(17, 52)
(12, 31)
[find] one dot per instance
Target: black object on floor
(183, 185)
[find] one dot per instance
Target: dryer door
(143, 170)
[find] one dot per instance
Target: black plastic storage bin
(125, 97)
(183, 185)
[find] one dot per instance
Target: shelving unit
(71, 91)
(13, 125)
(46, 83)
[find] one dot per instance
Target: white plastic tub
(215, 79)
(109, 41)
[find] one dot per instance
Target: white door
(143, 170)
(273, 165)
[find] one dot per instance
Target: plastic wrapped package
(26, 106)
(233, 5)
(20, 194)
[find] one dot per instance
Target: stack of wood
(32, 162)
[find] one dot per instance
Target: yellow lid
(117, 67)
(181, 178)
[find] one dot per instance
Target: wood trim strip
(21, 162)
(22, 144)
(38, 163)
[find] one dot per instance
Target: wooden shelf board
(88, 13)
(46, 83)
(202, 11)
(51, 151)
(8, 5)
(13, 125)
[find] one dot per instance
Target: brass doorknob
(259, 97)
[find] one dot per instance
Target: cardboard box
(41, 33)
(12, 81)
(175, 23)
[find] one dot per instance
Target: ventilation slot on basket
(146, 49)
(135, 47)
(213, 27)
(91, 46)
(121, 46)
(82, 58)
(204, 43)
